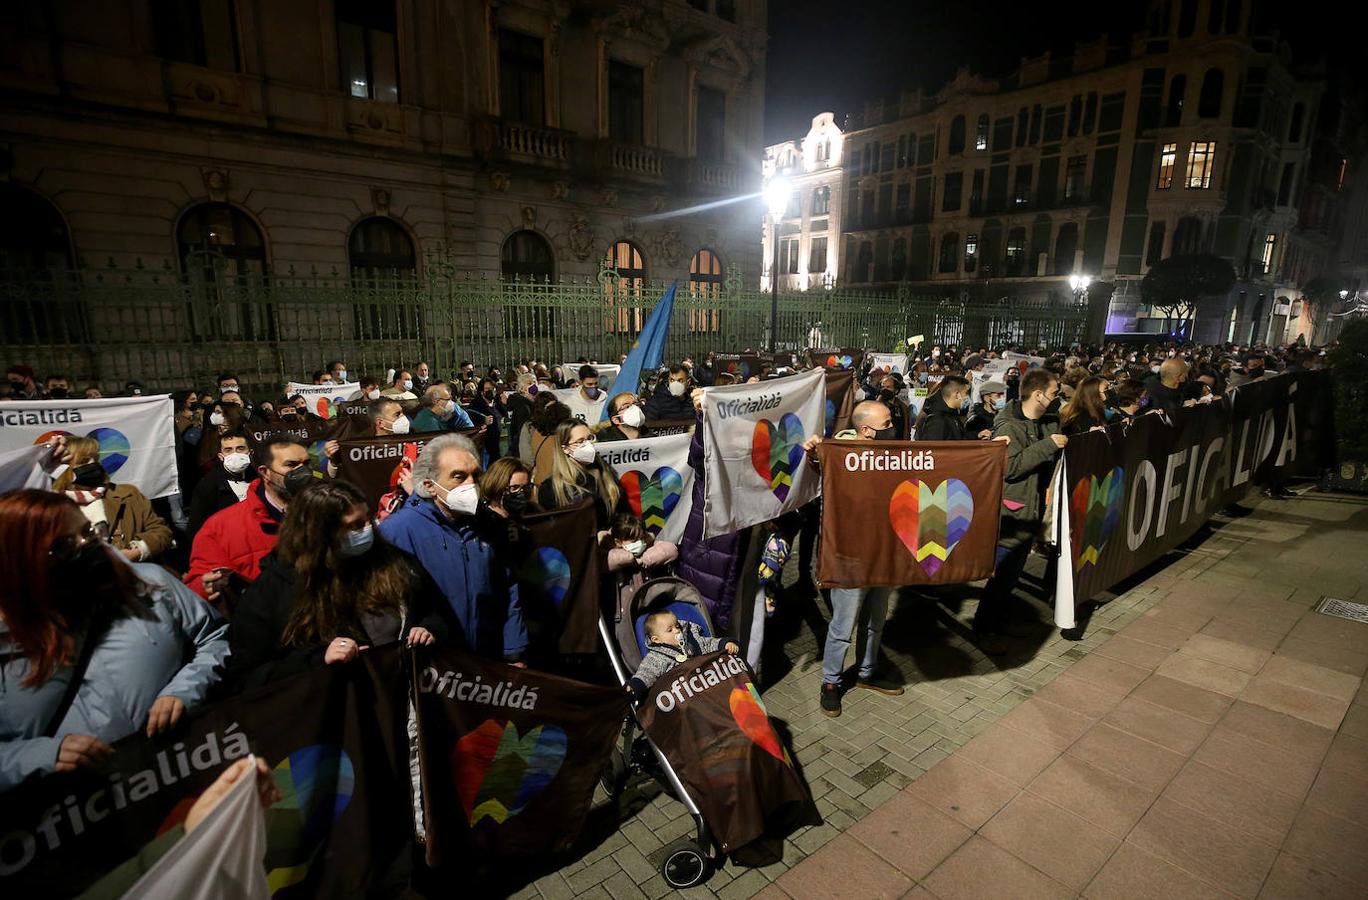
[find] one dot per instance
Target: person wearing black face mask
(21, 384)
(865, 608)
(58, 387)
(486, 404)
(228, 550)
(120, 513)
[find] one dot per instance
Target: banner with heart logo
(657, 479)
(753, 438)
(709, 720)
(508, 757)
(840, 401)
(909, 512)
(836, 359)
(1094, 511)
(324, 399)
(376, 464)
(890, 362)
(556, 559)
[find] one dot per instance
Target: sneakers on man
(831, 700)
(882, 685)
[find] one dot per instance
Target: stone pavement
(1208, 737)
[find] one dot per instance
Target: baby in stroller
(669, 643)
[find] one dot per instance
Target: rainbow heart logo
(1095, 510)
(499, 771)
(549, 570)
(777, 451)
(653, 497)
(843, 361)
(753, 719)
(740, 368)
(931, 521)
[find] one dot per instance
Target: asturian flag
(648, 351)
(753, 453)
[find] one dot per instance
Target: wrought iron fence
(169, 330)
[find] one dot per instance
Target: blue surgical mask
(1110, 413)
(966, 403)
(357, 542)
(591, 392)
(1000, 403)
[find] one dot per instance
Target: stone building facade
(1196, 136)
(810, 227)
(529, 138)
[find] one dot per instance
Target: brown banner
(904, 512)
(840, 400)
(741, 365)
(559, 577)
(836, 359)
(666, 427)
(707, 717)
(375, 464)
(509, 757)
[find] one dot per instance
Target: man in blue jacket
(439, 527)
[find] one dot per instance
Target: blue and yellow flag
(648, 352)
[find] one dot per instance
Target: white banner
(23, 468)
(136, 434)
(607, 373)
(890, 362)
(753, 449)
(323, 398)
(588, 411)
(657, 479)
(224, 858)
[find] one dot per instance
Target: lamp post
(776, 198)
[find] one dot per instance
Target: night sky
(835, 54)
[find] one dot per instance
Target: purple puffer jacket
(713, 566)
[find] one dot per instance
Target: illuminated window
(705, 283)
(981, 134)
(817, 257)
(623, 297)
(368, 49)
(1016, 251)
(1270, 244)
(1167, 159)
(788, 256)
(821, 200)
(970, 252)
(1201, 158)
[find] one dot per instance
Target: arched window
(949, 253)
(223, 252)
(1177, 88)
(381, 250)
(1209, 101)
(1066, 248)
(526, 256)
(956, 144)
(705, 283)
(1187, 237)
(821, 200)
(1294, 132)
(33, 237)
(624, 294)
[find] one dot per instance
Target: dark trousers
(992, 612)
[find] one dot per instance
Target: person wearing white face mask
(444, 527)
(224, 485)
(440, 412)
(627, 422)
(671, 399)
(577, 474)
(328, 592)
(401, 388)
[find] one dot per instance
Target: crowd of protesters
(117, 613)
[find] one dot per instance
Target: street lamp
(777, 193)
(1079, 285)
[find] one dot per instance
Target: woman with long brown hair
(578, 474)
(1086, 410)
(329, 590)
(92, 647)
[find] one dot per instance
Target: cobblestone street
(1207, 617)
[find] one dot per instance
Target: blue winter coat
(713, 566)
(482, 593)
(174, 646)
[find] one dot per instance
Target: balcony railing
(713, 176)
(531, 143)
(635, 160)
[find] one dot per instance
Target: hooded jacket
(235, 538)
(174, 645)
(939, 422)
(460, 557)
(714, 565)
(1030, 463)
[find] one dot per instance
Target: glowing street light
(777, 193)
(1079, 283)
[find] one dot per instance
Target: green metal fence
(169, 330)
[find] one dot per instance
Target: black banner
(559, 578)
(331, 736)
(1135, 492)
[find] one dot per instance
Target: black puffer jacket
(939, 422)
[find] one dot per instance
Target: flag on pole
(648, 351)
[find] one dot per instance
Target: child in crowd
(670, 642)
(633, 547)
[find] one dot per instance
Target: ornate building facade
(1196, 136)
(809, 229)
(537, 139)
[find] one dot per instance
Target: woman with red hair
(92, 647)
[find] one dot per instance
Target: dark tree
(1177, 285)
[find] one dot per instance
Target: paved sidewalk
(1186, 746)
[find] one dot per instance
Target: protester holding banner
(578, 474)
(1085, 410)
(670, 401)
(328, 591)
(93, 648)
(442, 527)
(227, 552)
(992, 399)
(1034, 445)
(120, 513)
(627, 421)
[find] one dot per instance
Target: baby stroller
(688, 861)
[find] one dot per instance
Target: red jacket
(235, 538)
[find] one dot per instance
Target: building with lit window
(520, 138)
(809, 229)
(1193, 137)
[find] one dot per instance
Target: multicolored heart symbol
(549, 570)
(843, 362)
(740, 368)
(930, 521)
(776, 452)
(653, 497)
(753, 719)
(498, 771)
(1095, 510)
